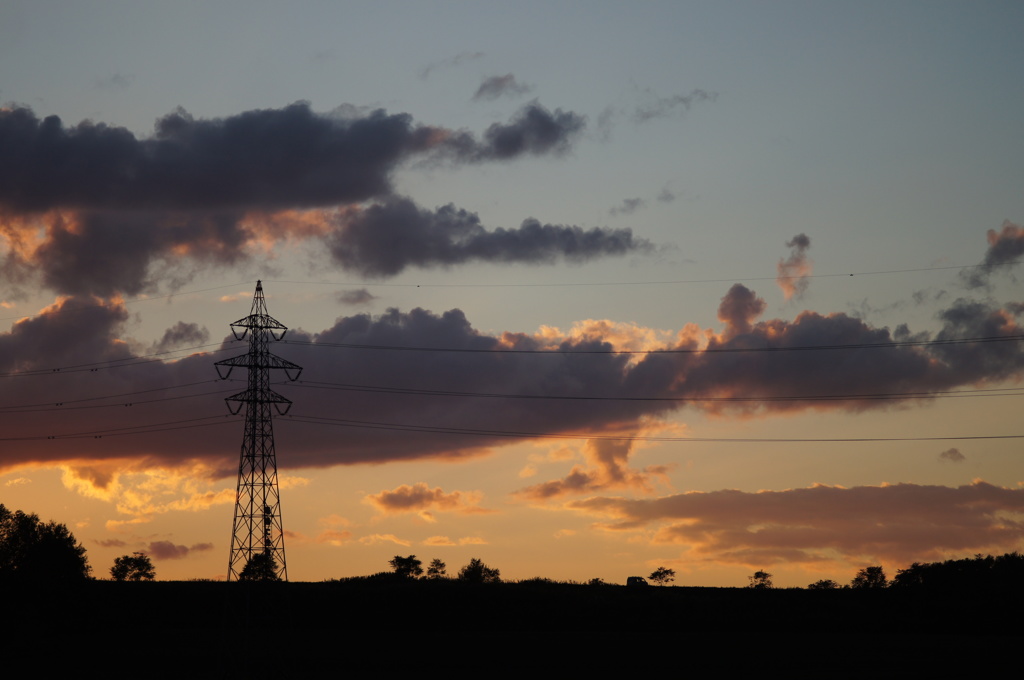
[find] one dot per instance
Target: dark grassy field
(377, 625)
(448, 605)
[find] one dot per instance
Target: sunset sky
(528, 188)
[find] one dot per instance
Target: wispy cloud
(377, 539)
(628, 206)
(457, 60)
(494, 87)
(953, 455)
(662, 107)
(359, 296)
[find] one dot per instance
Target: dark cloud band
(385, 239)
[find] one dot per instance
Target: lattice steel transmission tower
(257, 529)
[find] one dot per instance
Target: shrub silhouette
(134, 567)
(478, 572)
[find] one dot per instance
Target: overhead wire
(942, 394)
(555, 351)
(481, 432)
(92, 367)
(128, 430)
(43, 407)
(642, 283)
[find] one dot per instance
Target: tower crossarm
(262, 360)
(245, 397)
(258, 321)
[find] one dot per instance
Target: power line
(660, 282)
(400, 427)
(106, 364)
(641, 283)
(191, 423)
(128, 430)
(708, 350)
(62, 406)
(940, 394)
(156, 356)
(131, 301)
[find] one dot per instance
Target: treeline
(981, 571)
(1003, 572)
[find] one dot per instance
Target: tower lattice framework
(258, 528)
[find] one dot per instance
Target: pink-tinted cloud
(424, 501)
(898, 523)
(1005, 247)
(165, 550)
(794, 270)
(739, 309)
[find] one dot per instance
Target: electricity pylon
(257, 528)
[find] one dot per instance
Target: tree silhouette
(134, 567)
(761, 580)
(478, 572)
(437, 569)
(663, 576)
(823, 584)
(260, 567)
(869, 577)
(408, 567)
(32, 549)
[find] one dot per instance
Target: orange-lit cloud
(376, 539)
(445, 541)
(899, 523)
(626, 336)
(143, 493)
(334, 532)
(608, 468)
(334, 537)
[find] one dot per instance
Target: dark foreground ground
(434, 606)
(392, 622)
